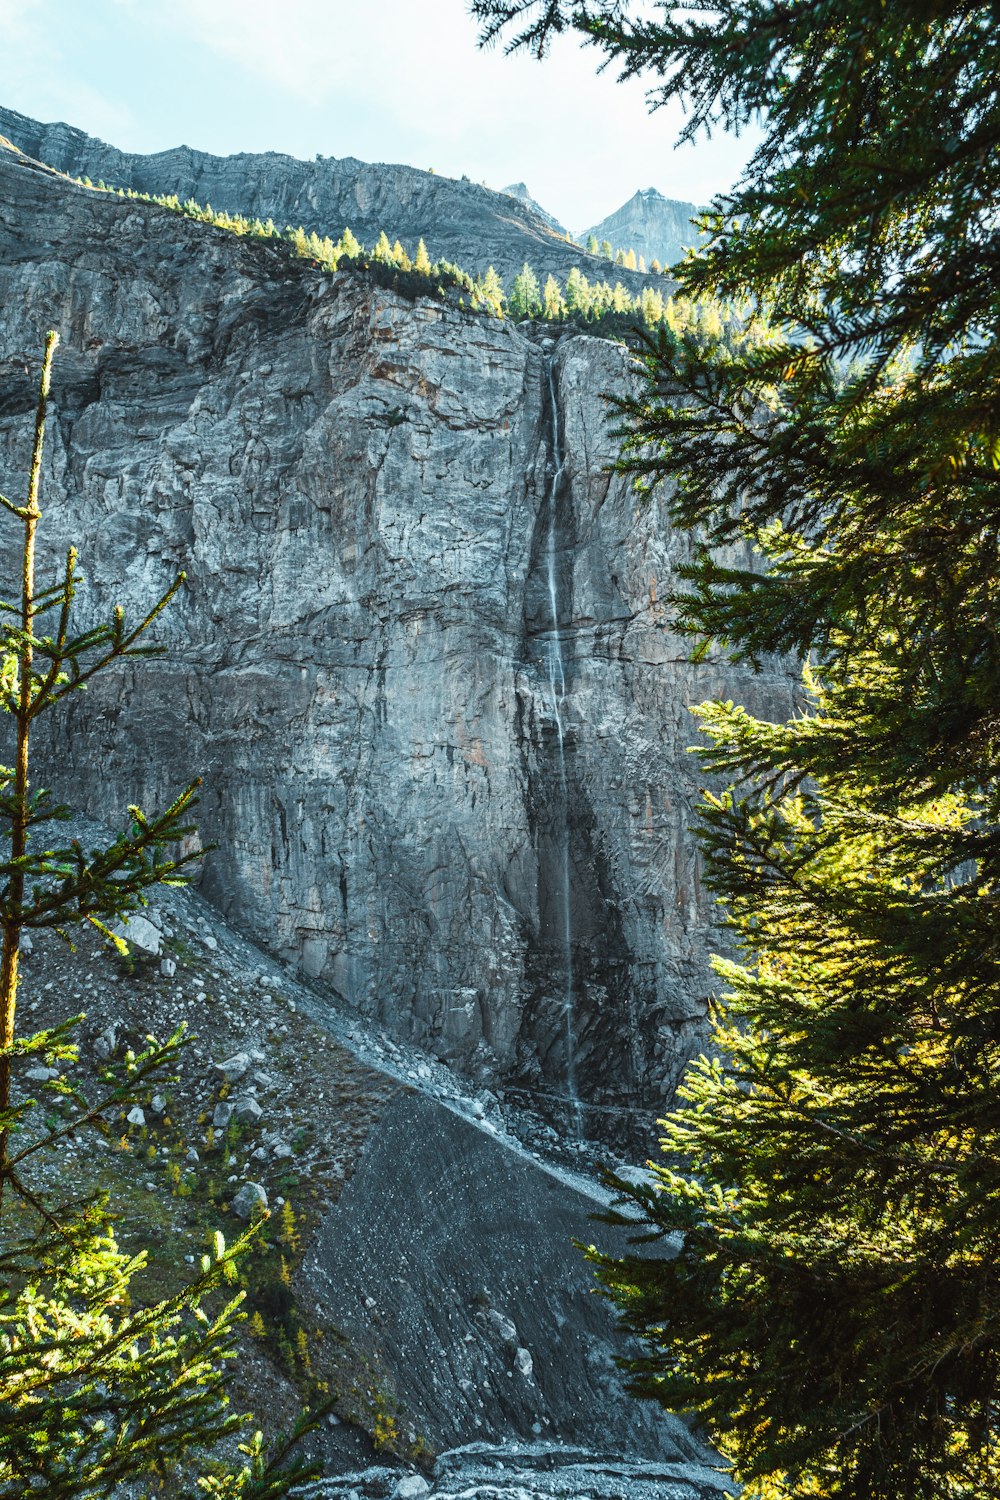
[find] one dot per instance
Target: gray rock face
(459, 220)
(519, 190)
(650, 224)
(441, 723)
(437, 1231)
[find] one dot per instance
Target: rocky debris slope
(451, 1252)
(417, 1264)
(459, 220)
(653, 226)
(394, 518)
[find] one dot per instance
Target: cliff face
(653, 226)
(419, 660)
(459, 220)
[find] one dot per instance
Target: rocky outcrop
(388, 512)
(653, 226)
(459, 220)
(519, 190)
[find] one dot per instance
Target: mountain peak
(654, 226)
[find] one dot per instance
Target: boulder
(139, 932)
(250, 1200)
(233, 1068)
(503, 1326)
(411, 1487)
(247, 1110)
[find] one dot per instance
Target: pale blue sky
(397, 80)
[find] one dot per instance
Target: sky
(383, 80)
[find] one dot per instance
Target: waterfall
(556, 662)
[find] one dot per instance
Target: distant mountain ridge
(459, 220)
(655, 227)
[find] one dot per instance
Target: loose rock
(250, 1199)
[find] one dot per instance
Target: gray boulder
(250, 1200)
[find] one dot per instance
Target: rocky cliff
(653, 226)
(420, 660)
(459, 220)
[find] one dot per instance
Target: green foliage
(832, 1179)
(93, 1392)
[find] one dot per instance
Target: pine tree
(94, 1392)
(831, 1182)
(422, 263)
(525, 300)
(606, 250)
(655, 266)
(400, 257)
(383, 250)
(629, 261)
(348, 246)
(591, 244)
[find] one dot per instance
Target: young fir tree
(95, 1391)
(833, 1177)
(422, 263)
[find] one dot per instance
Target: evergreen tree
(606, 250)
(831, 1183)
(591, 244)
(94, 1392)
(383, 250)
(422, 264)
(655, 266)
(525, 300)
(629, 261)
(400, 257)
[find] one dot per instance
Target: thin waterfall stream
(556, 662)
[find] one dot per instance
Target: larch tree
(553, 301)
(525, 299)
(830, 1185)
